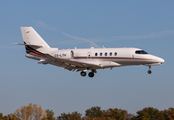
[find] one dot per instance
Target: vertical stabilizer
(31, 37)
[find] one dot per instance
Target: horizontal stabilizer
(29, 45)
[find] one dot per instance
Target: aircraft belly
(92, 63)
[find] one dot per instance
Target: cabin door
(89, 55)
(72, 54)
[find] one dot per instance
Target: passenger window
(100, 54)
(96, 54)
(115, 54)
(110, 54)
(106, 54)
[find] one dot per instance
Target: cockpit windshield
(141, 52)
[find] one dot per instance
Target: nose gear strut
(149, 71)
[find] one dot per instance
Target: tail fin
(31, 37)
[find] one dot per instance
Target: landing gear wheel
(149, 71)
(91, 74)
(83, 73)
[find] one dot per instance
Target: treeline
(35, 112)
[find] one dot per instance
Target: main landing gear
(149, 71)
(90, 74)
(83, 73)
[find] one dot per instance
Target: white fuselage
(84, 59)
(109, 57)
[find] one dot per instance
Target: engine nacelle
(68, 54)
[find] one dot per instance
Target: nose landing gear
(149, 71)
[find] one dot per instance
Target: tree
(30, 112)
(1, 116)
(168, 114)
(7, 117)
(75, 116)
(50, 114)
(12, 117)
(148, 113)
(94, 112)
(70, 116)
(115, 114)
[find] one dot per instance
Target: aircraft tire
(149, 71)
(91, 74)
(83, 73)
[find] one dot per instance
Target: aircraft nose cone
(160, 60)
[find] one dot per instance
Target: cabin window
(141, 52)
(110, 54)
(96, 54)
(106, 54)
(115, 53)
(100, 54)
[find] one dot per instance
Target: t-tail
(36, 47)
(31, 37)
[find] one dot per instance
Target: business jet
(84, 59)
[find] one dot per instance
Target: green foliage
(149, 113)
(94, 112)
(168, 114)
(116, 114)
(70, 116)
(50, 114)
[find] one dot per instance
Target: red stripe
(35, 54)
(38, 54)
(109, 58)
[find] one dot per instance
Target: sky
(83, 24)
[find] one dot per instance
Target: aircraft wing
(72, 64)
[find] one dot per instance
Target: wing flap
(71, 64)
